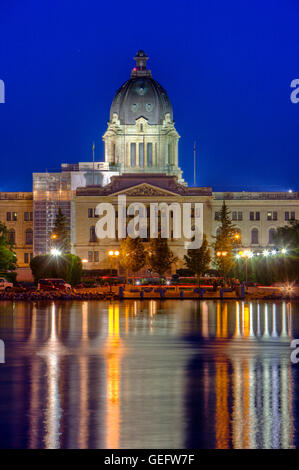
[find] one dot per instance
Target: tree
(198, 259)
(160, 257)
(60, 235)
(67, 267)
(224, 243)
(8, 259)
(287, 237)
(132, 254)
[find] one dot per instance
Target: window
(96, 256)
(14, 216)
(254, 236)
(133, 154)
(28, 216)
(272, 215)
(141, 127)
(141, 155)
(92, 234)
(217, 215)
(289, 216)
(169, 154)
(90, 212)
(149, 154)
(90, 256)
(218, 231)
(237, 215)
(11, 236)
(29, 236)
(254, 216)
(8, 216)
(271, 236)
(26, 258)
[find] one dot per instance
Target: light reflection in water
(151, 373)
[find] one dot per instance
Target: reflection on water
(149, 374)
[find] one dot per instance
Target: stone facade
(141, 162)
(17, 214)
(144, 189)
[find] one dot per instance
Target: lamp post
(246, 254)
(112, 254)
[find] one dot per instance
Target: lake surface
(149, 374)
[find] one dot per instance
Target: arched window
(92, 234)
(29, 236)
(254, 236)
(11, 236)
(271, 236)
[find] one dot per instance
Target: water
(149, 374)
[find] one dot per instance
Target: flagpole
(194, 156)
(93, 164)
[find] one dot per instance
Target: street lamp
(246, 254)
(112, 254)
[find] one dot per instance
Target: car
(53, 284)
(5, 285)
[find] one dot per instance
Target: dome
(141, 96)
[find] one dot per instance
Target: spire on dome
(140, 69)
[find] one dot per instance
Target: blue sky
(227, 67)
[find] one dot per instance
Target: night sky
(227, 67)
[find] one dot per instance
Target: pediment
(146, 190)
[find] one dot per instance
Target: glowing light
(273, 252)
(284, 251)
(266, 253)
(84, 260)
(110, 253)
(116, 253)
(55, 252)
